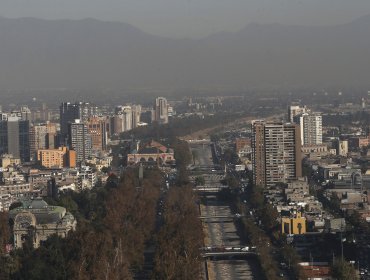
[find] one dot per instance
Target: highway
(221, 233)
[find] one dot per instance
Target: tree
(177, 255)
(342, 270)
(200, 181)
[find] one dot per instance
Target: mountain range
(89, 53)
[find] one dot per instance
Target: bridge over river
(225, 259)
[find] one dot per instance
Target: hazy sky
(192, 18)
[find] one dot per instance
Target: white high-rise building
(123, 119)
(311, 128)
(136, 114)
(127, 118)
(296, 110)
(160, 113)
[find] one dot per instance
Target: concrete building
(57, 158)
(38, 139)
(96, 128)
(358, 142)
(79, 140)
(136, 115)
(335, 225)
(9, 160)
(295, 110)
(123, 119)
(311, 128)
(276, 152)
(242, 143)
(160, 110)
(341, 147)
(297, 190)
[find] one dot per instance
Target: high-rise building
(51, 135)
(276, 152)
(311, 128)
(24, 113)
(296, 110)
(122, 120)
(160, 112)
(127, 118)
(74, 111)
(38, 139)
(136, 115)
(69, 112)
(14, 138)
(79, 140)
(96, 128)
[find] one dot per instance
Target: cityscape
(259, 195)
(184, 140)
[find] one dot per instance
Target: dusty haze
(192, 18)
(94, 54)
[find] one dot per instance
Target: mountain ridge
(39, 53)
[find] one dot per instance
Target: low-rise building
(293, 225)
(9, 160)
(335, 225)
(151, 153)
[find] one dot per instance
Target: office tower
(296, 110)
(79, 140)
(74, 111)
(38, 138)
(276, 152)
(14, 138)
(96, 128)
(68, 114)
(51, 135)
(160, 112)
(311, 128)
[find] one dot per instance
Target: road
(221, 233)
(224, 234)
